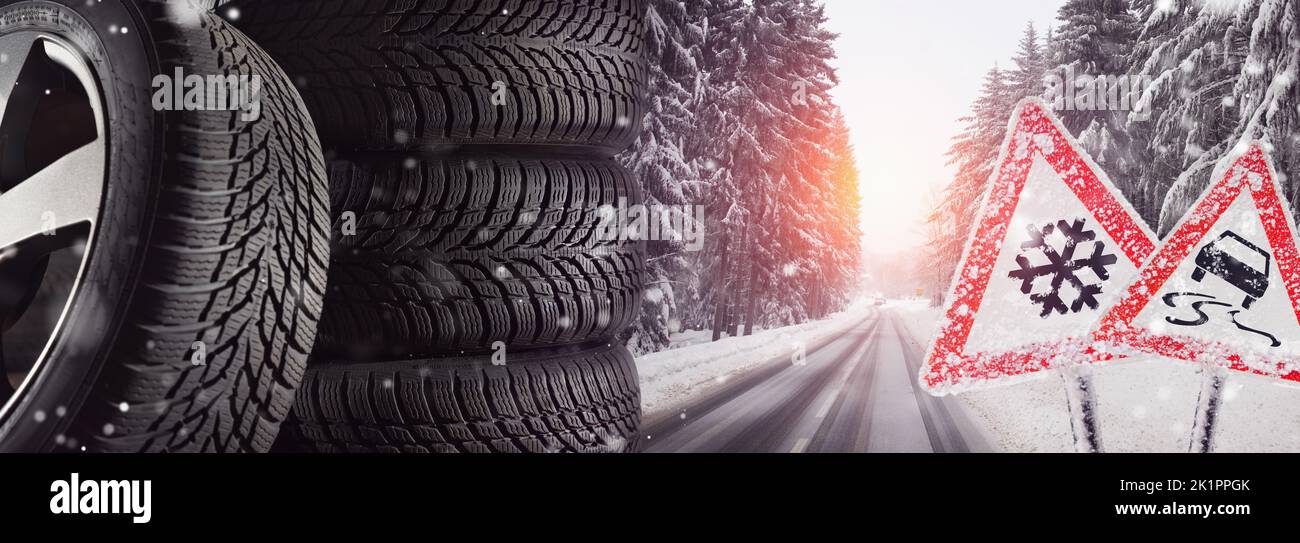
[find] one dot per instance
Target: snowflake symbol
(1062, 267)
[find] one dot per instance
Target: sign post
(1050, 249)
(1223, 291)
(1083, 408)
(1213, 379)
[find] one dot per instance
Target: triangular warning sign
(1224, 288)
(1052, 246)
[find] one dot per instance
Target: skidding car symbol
(1222, 259)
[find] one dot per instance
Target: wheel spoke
(65, 193)
(14, 50)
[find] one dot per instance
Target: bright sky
(908, 70)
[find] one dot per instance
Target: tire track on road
(660, 431)
(945, 437)
(767, 433)
(851, 411)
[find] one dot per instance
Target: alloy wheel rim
(53, 164)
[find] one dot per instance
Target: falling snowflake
(1062, 267)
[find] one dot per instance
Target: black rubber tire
(418, 74)
(214, 229)
(578, 399)
(453, 254)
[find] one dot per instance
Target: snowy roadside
(690, 338)
(676, 377)
(1146, 405)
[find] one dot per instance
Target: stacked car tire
(474, 294)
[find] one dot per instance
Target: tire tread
(236, 260)
(580, 401)
(420, 74)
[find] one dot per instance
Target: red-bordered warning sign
(1053, 245)
(1224, 288)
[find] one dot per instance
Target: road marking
(826, 407)
(800, 446)
(846, 372)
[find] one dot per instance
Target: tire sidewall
(123, 63)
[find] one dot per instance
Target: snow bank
(1146, 405)
(690, 338)
(672, 379)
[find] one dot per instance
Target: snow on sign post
(1223, 290)
(1053, 244)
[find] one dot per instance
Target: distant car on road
(879, 301)
(1237, 261)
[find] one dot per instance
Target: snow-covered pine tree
(1091, 46)
(771, 120)
(1180, 54)
(725, 147)
(764, 122)
(933, 278)
(1267, 93)
(1221, 72)
(660, 160)
(974, 153)
(843, 259)
(793, 262)
(1030, 65)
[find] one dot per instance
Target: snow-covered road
(854, 392)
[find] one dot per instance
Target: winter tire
(575, 399)
(438, 73)
(453, 254)
(189, 247)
